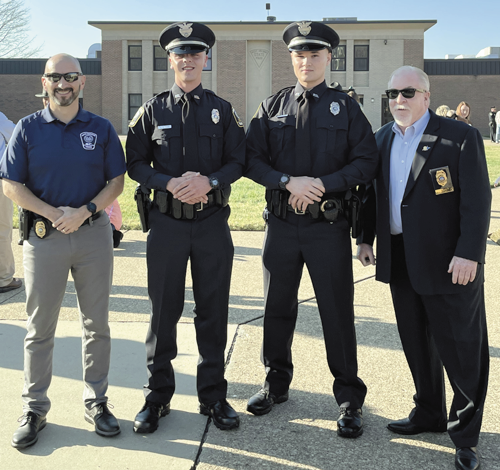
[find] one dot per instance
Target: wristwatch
(214, 182)
(92, 208)
(285, 179)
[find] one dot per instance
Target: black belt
(167, 204)
(93, 217)
(42, 225)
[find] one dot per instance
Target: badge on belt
(441, 180)
(41, 227)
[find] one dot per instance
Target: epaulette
(336, 86)
(275, 98)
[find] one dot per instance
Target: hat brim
(187, 49)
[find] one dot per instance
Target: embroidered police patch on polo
(89, 139)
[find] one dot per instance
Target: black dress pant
(326, 250)
(437, 330)
(493, 132)
(207, 243)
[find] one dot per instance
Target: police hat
(310, 36)
(187, 38)
(43, 94)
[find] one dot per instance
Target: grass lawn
(247, 198)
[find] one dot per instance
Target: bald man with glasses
(63, 166)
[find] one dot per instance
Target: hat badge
(304, 27)
(185, 29)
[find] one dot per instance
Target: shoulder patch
(137, 116)
(237, 118)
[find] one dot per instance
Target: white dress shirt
(403, 151)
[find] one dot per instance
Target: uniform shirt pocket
(281, 134)
(167, 140)
(210, 143)
(331, 135)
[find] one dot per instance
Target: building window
(361, 58)
(208, 67)
(134, 103)
(135, 58)
(338, 59)
(160, 59)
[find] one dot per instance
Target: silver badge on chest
(215, 116)
(334, 108)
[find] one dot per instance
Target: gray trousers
(88, 254)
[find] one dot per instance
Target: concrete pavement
(298, 434)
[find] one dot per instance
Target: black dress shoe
(262, 402)
(406, 427)
(466, 458)
(27, 432)
(146, 420)
(222, 414)
(105, 423)
(350, 422)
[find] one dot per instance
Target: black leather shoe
(466, 458)
(146, 420)
(222, 414)
(27, 432)
(105, 423)
(350, 422)
(263, 401)
(406, 427)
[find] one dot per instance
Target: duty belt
(43, 226)
(167, 204)
(329, 209)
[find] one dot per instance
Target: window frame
(344, 47)
(155, 59)
(357, 60)
(130, 107)
(130, 58)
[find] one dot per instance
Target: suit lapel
(424, 151)
(385, 154)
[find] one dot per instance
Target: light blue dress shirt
(403, 151)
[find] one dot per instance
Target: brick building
(249, 61)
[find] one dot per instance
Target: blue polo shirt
(63, 164)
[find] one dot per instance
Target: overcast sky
(463, 27)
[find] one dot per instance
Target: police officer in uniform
(308, 145)
(64, 165)
(188, 145)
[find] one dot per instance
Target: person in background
(7, 264)
(492, 123)
(463, 113)
(497, 122)
(45, 97)
(442, 110)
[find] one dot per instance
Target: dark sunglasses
(392, 94)
(69, 77)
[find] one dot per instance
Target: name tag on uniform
(166, 126)
(441, 180)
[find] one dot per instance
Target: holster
(354, 201)
(143, 201)
(24, 224)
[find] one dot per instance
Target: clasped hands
(304, 190)
(190, 188)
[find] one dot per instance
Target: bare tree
(14, 29)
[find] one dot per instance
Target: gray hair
(423, 78)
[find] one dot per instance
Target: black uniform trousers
(493, 131)
(207, 242)
(326, 250)
(437, 330)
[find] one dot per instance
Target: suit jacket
(436, 227)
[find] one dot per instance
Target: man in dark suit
(492, 123)
(432, 214)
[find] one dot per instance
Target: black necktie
(302, 137)
(189, 134)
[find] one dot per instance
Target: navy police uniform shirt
(343, 150)
(63, 164)
(155, 137)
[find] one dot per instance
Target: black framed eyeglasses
(70, 77)
(393, 93)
